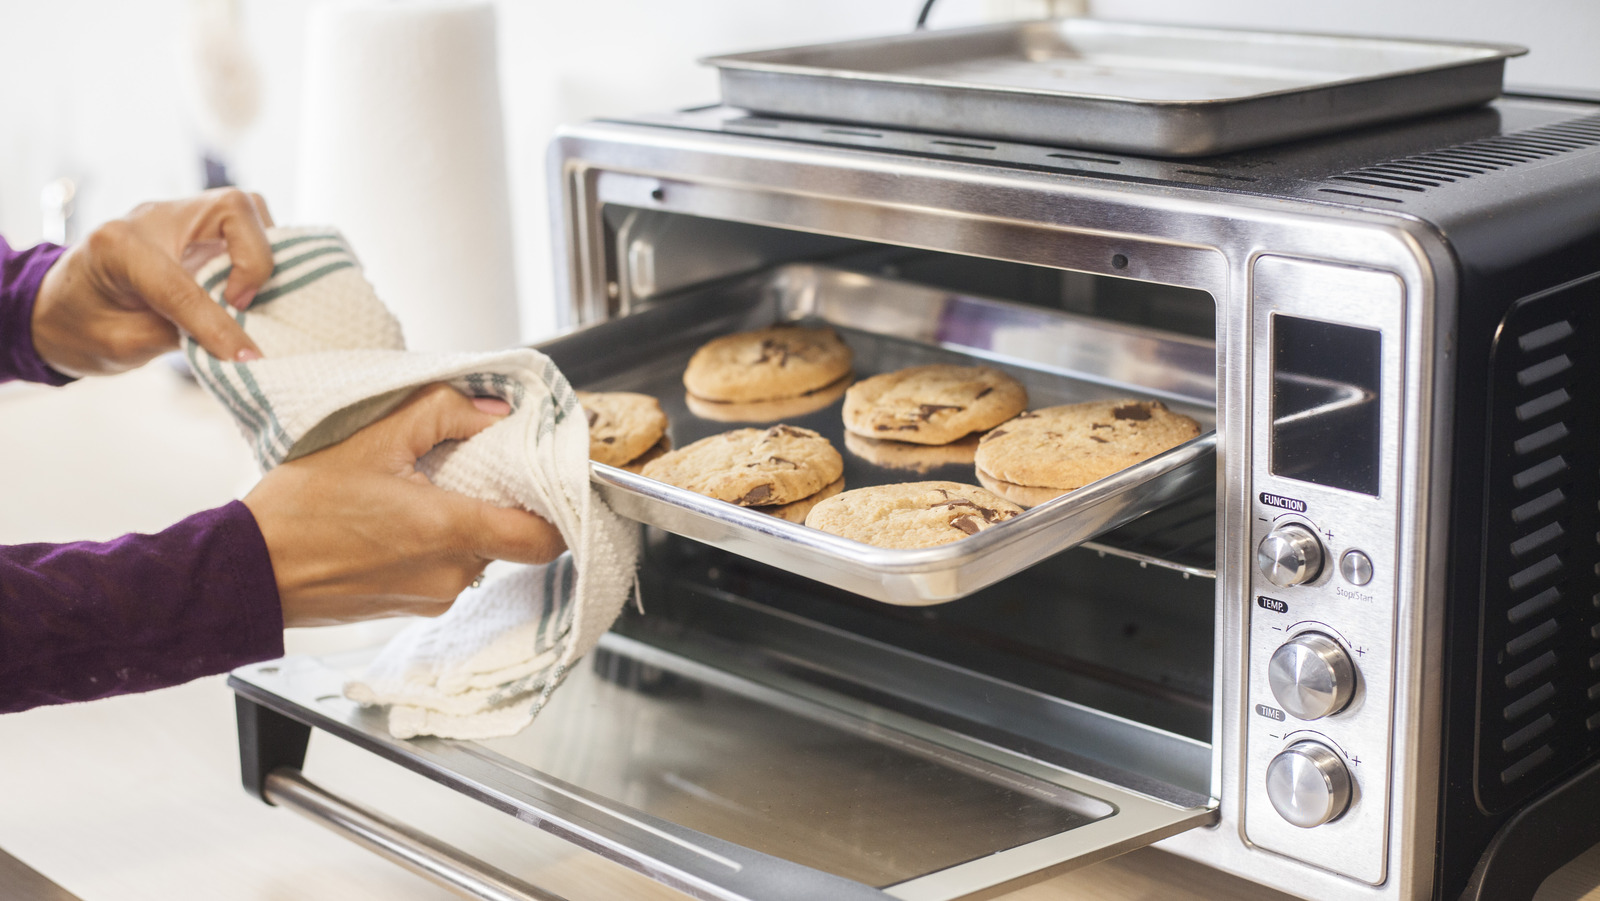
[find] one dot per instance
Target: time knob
(1308, 784)
(1290, 555)
(1311, 676)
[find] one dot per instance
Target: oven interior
(1095, 649)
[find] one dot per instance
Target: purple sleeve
(88, 620)
(21, 271)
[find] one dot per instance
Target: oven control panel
(1326, 412)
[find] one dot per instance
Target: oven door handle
(433, 860)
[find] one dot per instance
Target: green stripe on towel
(235, 405)
(280, 438)
(301, 239)
(284, 266)
(227, 393)
(221, 275)
(243, 411)
(301, 282)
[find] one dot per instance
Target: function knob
(1290, 555)
(1308, 784)
(1311, 676)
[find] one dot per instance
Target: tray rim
(760, 60)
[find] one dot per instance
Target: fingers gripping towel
(334, 361)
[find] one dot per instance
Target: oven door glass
(730, 784)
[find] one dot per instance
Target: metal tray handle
(437, 862)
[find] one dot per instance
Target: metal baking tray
(1121, 86)
(889, 324)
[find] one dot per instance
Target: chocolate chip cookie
(766, 410)
(1025, 496)
(622, 425)
(657, 450)
(1071, 446)
(797, 510)
(752, 467)
(932, 404)
(911, 514)
(782, 361)
(920, 458)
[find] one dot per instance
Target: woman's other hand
(117, 300)
(355, 532)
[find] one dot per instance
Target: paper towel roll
(402, 148)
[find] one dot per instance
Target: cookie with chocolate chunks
(765, 411)
(796, 511)
(657, 450)
(752, 467)
(911, 514)
(766, 364)
(918, 458)
(1070, 446)
(1025, 496)
(934, 404)
(622, 425)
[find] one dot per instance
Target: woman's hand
(355, 532)
(117, 300)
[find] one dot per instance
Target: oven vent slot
(1539, 695)
(1424, 171)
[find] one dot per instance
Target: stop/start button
(1356, 567)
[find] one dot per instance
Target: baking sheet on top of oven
(1119, 86)
(647, 353)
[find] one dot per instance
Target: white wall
(97, 90)
(88, 89)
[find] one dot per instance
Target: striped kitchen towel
(335, 361)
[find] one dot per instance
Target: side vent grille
(1539, 702)
(1416, 174)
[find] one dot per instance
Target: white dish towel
(335, 361)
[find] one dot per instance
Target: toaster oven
(1347, 644)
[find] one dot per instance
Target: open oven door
(740, 784)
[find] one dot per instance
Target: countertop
(138, 797)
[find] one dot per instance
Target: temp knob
(1290, 555)
(1311, 676)
(1308, 784)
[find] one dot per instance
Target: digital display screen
(1325, 403)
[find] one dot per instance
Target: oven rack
(1181, 536)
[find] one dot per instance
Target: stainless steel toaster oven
(1346, 644)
